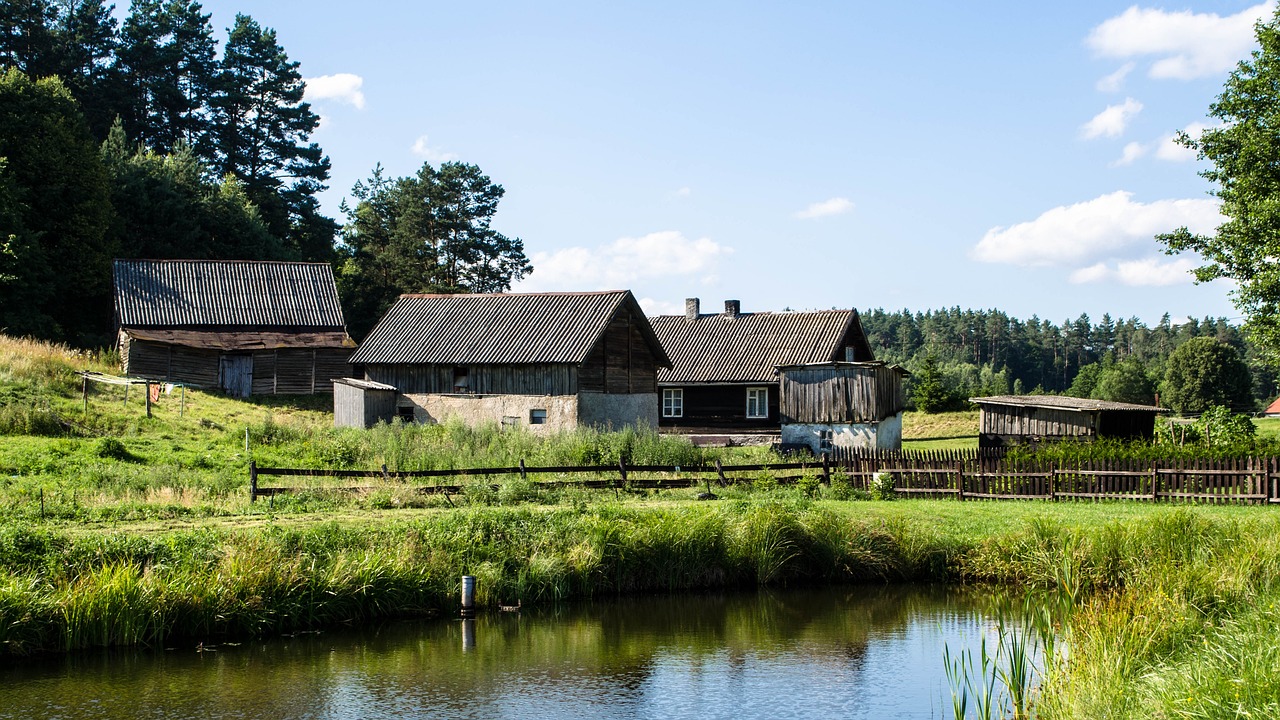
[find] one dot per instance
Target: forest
(987, 352)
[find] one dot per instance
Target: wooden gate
(235, 374)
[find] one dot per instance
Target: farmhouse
(1011, 419)
(545, 360)
(842, 405)
(246, 327)
(723, 375)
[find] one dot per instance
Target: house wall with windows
(731, 406)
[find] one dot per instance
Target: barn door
(235, 374)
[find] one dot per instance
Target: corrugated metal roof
(1062, 402)
(497, 329)
(226, 294)
(722, 348)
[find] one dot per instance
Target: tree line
(970, 353)
(147, 138)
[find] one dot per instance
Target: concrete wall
(886, 434)
(562, 410)
(605, 410)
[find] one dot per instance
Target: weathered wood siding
(362, 407)
(721, 407)
(621, 362)
(297, 371)
(1037, 422)
(840, 394)
(481, 379)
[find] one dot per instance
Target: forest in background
(987, 352)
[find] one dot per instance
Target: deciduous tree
(1202, 373)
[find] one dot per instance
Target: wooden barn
(842, 404)
(723, 375)
(245, 327)
(1012, 419)
(544, 360)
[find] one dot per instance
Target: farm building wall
(840, 394)
(618, 410)
(556, 412)
(481, 379)
(621, 361)
(1019, 421)
(285, 371)
(885, 434)
(720, 406)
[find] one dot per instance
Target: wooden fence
(964, 475)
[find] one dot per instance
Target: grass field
(940, 431)
(118, 529)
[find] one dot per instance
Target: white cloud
(1144, 272)
(1113, 82)
(1186, 45)
(343, 87)
(623, 262)
(834, 206)
(1112, 121)
(1169, 149)
(430, 154)
(1132, 151)
(654, 307)
(684, 192)
(1094, 230)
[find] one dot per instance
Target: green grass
(940, 431)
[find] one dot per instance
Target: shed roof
(197, 294)
(499, 329)
(1062, 402)
(747, 347)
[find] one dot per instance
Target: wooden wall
(1036, 421)
(721, 407)
(481, 379)
(287, 371)
(840, 394)
(621, 362)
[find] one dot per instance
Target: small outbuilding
(842, 405)
(1013, 419)
(245, 327)
(544, 360)
(362, 403)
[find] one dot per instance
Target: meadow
(118, 529)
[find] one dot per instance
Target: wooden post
(720, 472)
(84, 392)
(622, 472)
(960, 480)
(523, 476)
(182, 405)
(253, 481)
(1155, 483)
(826, 470)
(148, 391)
(385, 475)
(41, 503)
(126, 395)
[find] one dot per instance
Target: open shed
(362, 403)
(1013, 419)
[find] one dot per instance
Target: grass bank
(1174, 606)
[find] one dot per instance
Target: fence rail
(964, 475)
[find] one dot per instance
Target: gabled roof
(1062, 402)
(499, 329)
(1273, 408)
(747, 347)
(226, 294)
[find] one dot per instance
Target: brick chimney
(732, 308)
(691, 309)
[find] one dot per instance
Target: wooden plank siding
(297, 371)
(546, 379)
(621, 362)
(840, 394)
(722, 406)
(1037, 422)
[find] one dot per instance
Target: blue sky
(800, 155)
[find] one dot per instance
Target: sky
(800, 155)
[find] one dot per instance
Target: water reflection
(805, 653)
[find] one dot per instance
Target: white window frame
(672, 402)
(537, 416)
(758, 403)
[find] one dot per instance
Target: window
(673, 402)
(538, 417)
(461, 377)
(757, 402)
(405, 413)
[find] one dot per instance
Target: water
(853, 652)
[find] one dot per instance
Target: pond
(850, 652)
